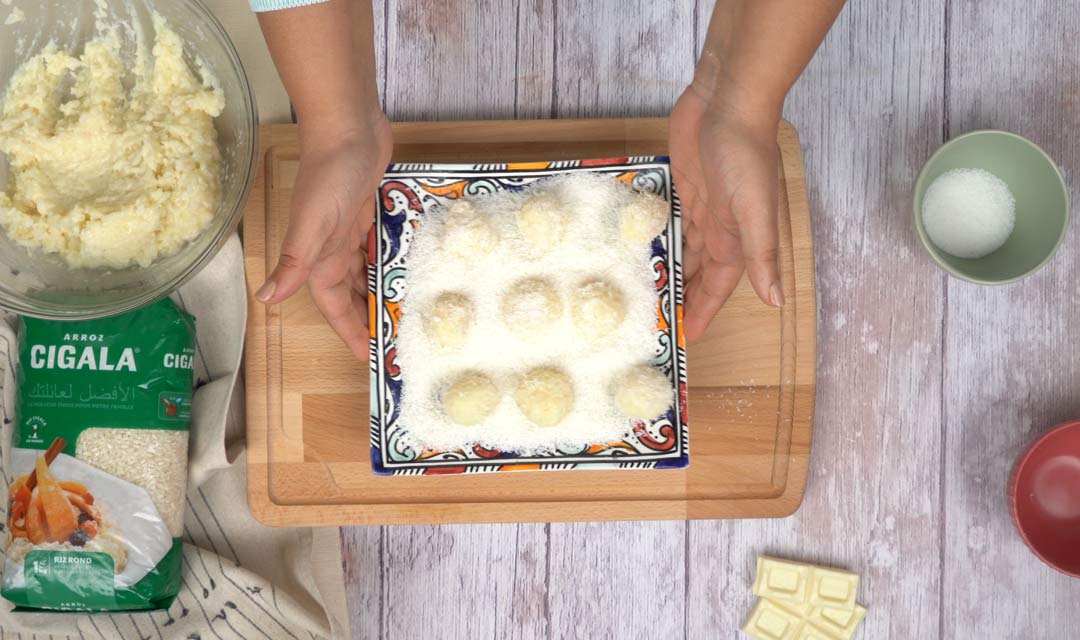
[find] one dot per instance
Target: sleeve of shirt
(274, 5)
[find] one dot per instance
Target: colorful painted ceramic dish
(410, 190)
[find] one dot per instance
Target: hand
(724, 164)
(332, 210)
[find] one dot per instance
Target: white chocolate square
(840, 624)
(768, 621)
(782, 580)
(833, 589)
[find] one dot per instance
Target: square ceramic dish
(407, 192)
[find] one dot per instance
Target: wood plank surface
(616, 57)
(1011, 351)
(873, 503)
(928, 388)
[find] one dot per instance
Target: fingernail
(776, 295)
(266, 291)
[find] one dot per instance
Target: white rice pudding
(106, 176)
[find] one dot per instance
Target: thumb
(759, 247)
(299, 251)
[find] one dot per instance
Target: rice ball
(531, 306)
(467, 234)
(448, 320)
(470, 398)
(968, 213)
(545, 395)
(643, 219)
(602, 307)
(643, 393)
(543, 222)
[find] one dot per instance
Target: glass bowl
(39, 284)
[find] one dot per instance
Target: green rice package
(99, 462)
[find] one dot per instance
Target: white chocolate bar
(782, 580)
(838, 624)
(799, 601)
(768, 621)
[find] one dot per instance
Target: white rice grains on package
(99, 458)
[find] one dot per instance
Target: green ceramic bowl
(1042, 204)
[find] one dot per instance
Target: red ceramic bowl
(1045, 498)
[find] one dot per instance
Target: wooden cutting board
(751, 395)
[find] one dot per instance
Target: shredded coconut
(968, 213)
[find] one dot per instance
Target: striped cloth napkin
(241, 579)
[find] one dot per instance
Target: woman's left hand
(724, 163)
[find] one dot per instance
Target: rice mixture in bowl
(103, 175)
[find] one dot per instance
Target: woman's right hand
(332, 209)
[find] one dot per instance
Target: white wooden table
(927, 387)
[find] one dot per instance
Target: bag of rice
(99, 456)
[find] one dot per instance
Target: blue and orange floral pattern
(406, 192)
